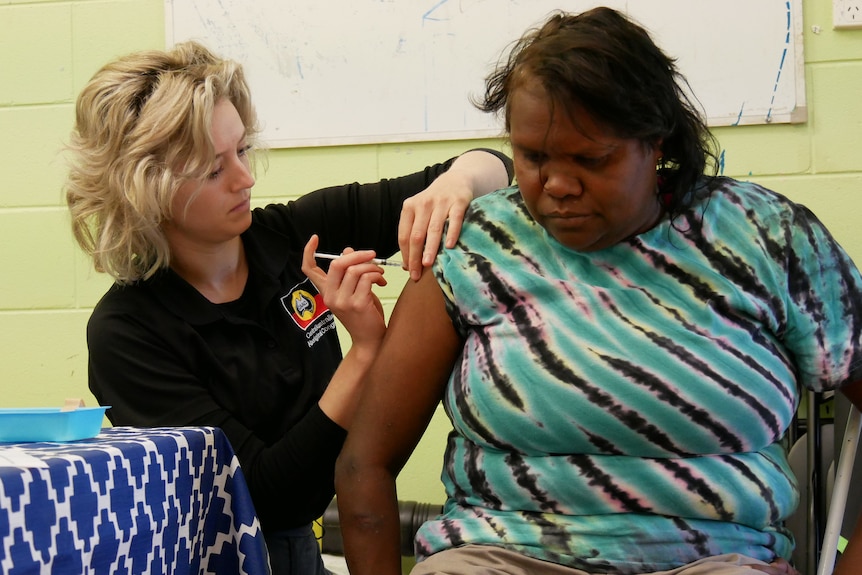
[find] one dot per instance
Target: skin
(346, 290)
(590, 190)
(209, 216)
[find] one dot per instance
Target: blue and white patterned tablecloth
(129, 501)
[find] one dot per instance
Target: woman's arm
(400, 393)
(346, 290)
(367, 216)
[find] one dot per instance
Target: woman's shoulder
(749, 218)
(750, 196)
(498, 203)
(150, 313)
(146, 299)
(125, 309)
(500, 212)
(744, 204)
(501, 196)
(120, 300)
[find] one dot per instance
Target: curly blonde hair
(142, 130)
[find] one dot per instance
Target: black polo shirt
(163, 355)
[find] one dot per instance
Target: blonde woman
(219, 315)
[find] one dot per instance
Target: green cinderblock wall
(48, 49)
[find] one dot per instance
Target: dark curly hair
(605, 64)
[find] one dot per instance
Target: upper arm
(406, 381)
(362, 216)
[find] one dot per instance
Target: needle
(378, 261)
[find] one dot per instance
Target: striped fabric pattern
(619, 411)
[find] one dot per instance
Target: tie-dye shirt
(620, 411)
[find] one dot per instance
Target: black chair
(824, 480)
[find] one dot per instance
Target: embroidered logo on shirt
(305, 305)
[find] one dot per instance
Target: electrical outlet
(846, 14)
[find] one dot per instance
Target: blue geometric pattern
(130, 501)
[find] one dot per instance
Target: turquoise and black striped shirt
(620, 410)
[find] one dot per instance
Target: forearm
(291, 480)
(481, 171)
(341, 397)
(369, 519)
(362, 216)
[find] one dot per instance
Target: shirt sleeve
(362, 216)
(824, 302)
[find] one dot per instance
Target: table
(129, 501)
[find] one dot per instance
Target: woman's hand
(424, 216)
(347, 291)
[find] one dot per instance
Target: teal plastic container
(20, 425)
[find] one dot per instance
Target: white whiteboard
(331, 72)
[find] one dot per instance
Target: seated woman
(618, 341)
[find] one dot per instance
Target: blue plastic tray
(49, 424)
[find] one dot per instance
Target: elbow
(358, 481)
(351, 475)
(346, 469)
(355, 493)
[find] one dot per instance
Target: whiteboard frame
(794, 54)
